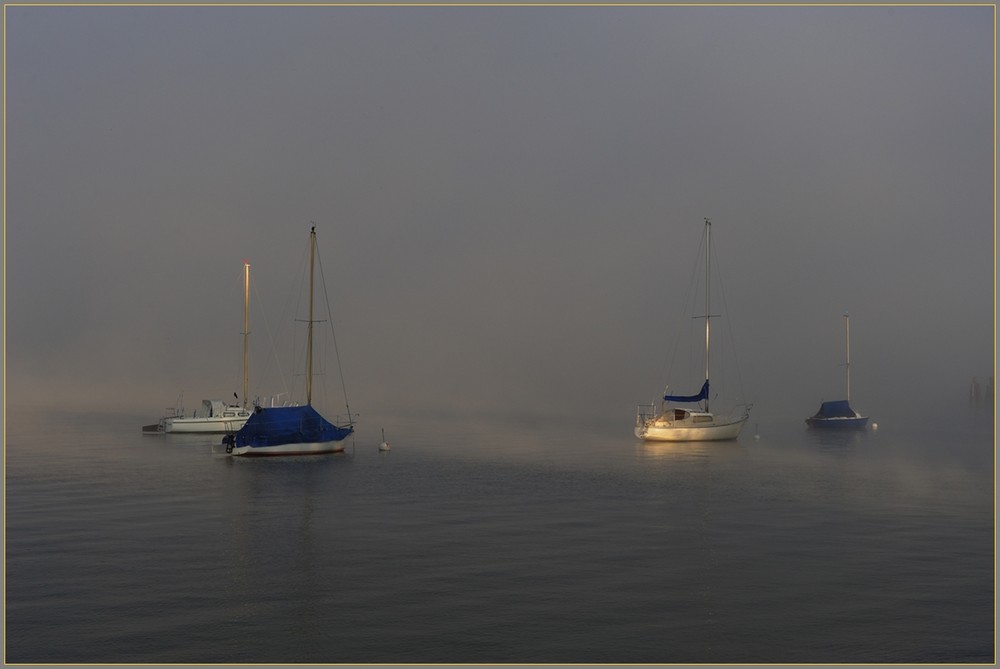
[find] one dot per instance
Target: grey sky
(508, 200)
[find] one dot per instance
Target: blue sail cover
(702, 395)
(835, 409)
(288, 425)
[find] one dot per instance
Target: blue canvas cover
(835, 409)
(702, 395)
(288, 425)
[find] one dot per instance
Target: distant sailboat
(384, 446)
(292, 430)
(838, 413)
(683, 424)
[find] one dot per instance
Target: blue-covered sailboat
(839, 413)
(291, 430)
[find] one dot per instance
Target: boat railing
(644, 413)
(345, 420)
(275, 401)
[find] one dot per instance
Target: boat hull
(207, 425)
(311, 448)
(287, 431)
(676, 431)
(839, 422)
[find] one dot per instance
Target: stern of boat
(644, 415)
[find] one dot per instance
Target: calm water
(479, 542)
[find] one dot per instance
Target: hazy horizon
(508, 200)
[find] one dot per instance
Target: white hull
(216, 417)
(311, 448)
(206, 425)
(661, 429)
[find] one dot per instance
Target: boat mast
(309, 330)
(847, 327)
(246, 331)
(708, 296)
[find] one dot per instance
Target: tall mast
(708, 296)
(847, 327)
(246, 331)
(309, 336)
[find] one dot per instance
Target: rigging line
(687, 308)
(270, 337)
(729, 325)
(333, 332)
(298, 289)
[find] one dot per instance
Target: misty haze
(509, 203)
(509, 200)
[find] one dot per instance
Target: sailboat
(677, 423)
(217, 416)
(838, 413)
(291, 430)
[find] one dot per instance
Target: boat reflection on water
(834, 439)
(687, 451)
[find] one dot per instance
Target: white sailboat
(216, 416)
(677, 423)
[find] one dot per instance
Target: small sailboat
(217, 416)
(384, 446)
(676, 423)
(839, 413)
(291, 430)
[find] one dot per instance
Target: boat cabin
(677, 415)
(219, 409)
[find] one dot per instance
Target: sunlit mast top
(246, 331)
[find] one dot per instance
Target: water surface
(480, 540)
